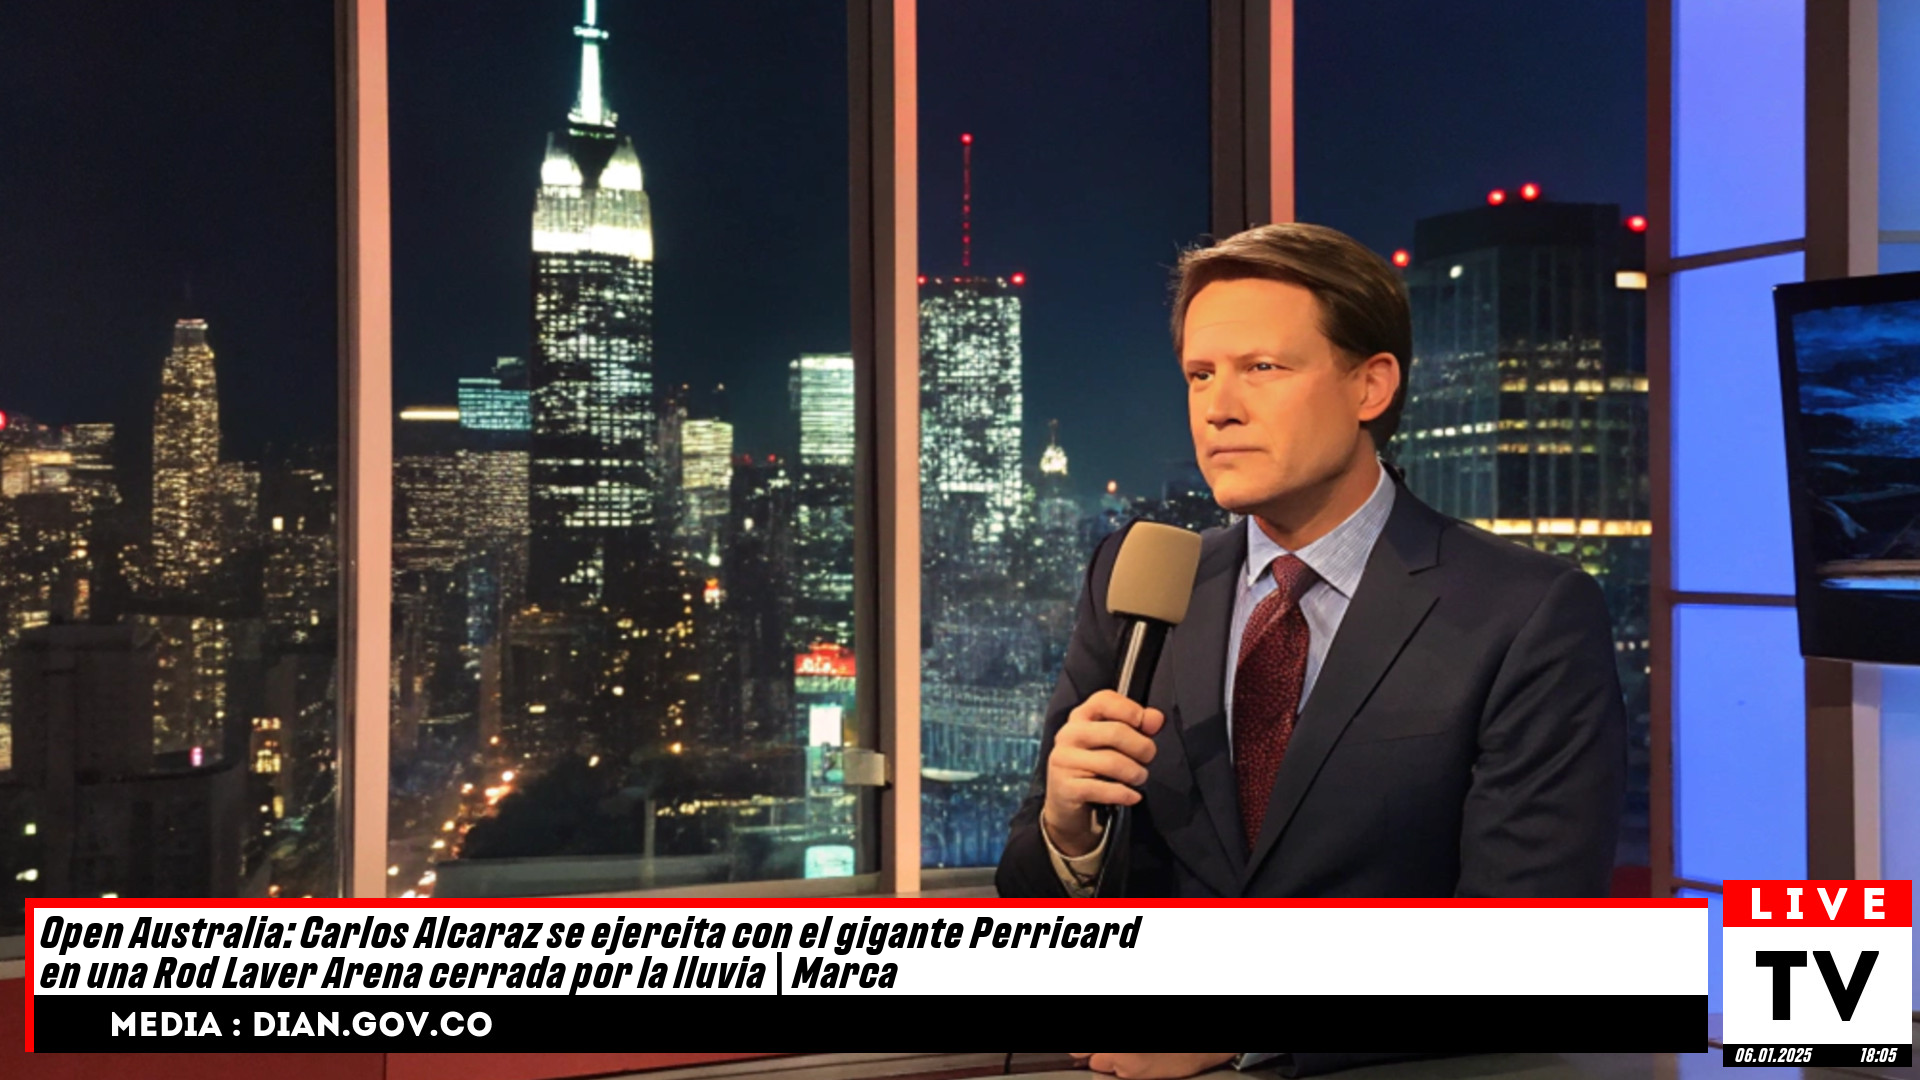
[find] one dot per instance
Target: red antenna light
(1019, 278)
(966, 139)
(3, 421)
(1496, 197)
(923, 279)
(1529, 192)
(1401, 257)
(1637, 223)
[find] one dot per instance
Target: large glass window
(1063, 164)
(1506, 173)
(623, 550)
(167, 455)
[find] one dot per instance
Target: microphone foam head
(1153, 574)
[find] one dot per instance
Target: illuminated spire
(590, 107)
(1053, 460)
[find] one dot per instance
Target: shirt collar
(1340, 556)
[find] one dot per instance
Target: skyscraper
(821, 386)
(970, 409)
(706, 484)
(56, 493)
(1526, 407)
(822, 395)
(187, 479)
(591, 375)
(111, 811)
(203, 514)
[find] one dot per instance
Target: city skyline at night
(1557, 97)
(623, 444)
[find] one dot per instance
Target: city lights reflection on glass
(1401, 257)
(1496, 197)
(507, 777)
(1529, 192)
(197, 756)
(1637, 223)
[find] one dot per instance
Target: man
(1367, 698)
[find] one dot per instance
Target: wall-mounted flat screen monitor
(1850, 382)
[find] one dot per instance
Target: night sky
(195, 148)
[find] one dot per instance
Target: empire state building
(591, 376)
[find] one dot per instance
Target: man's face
(1273, 408)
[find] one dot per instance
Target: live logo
(1818, 972)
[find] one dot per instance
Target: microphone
(1151, 585)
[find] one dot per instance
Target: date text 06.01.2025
(1775, 1055)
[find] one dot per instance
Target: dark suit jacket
(1465, 735)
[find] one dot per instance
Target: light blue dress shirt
(1338, 558)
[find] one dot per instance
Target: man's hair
(1362, 301)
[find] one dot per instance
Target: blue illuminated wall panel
(1900, 779)
(1739, 123)
(1739, 730)
(1731, 532)
(1899, 30)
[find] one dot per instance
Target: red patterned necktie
(1271, 671)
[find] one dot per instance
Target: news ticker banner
(1817, 973)
(781, 975)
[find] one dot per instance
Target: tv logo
(1817, 973)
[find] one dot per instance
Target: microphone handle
(1140, 643)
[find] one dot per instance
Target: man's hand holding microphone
(1099, 757)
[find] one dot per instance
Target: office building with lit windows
(187, 480)
(109, 809)
(1526, 407)
(970, 410)
(706, 485)
(591, 376)
(821, 387)
(496, 402)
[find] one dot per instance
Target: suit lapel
(1387, 607)
(1199, 648)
